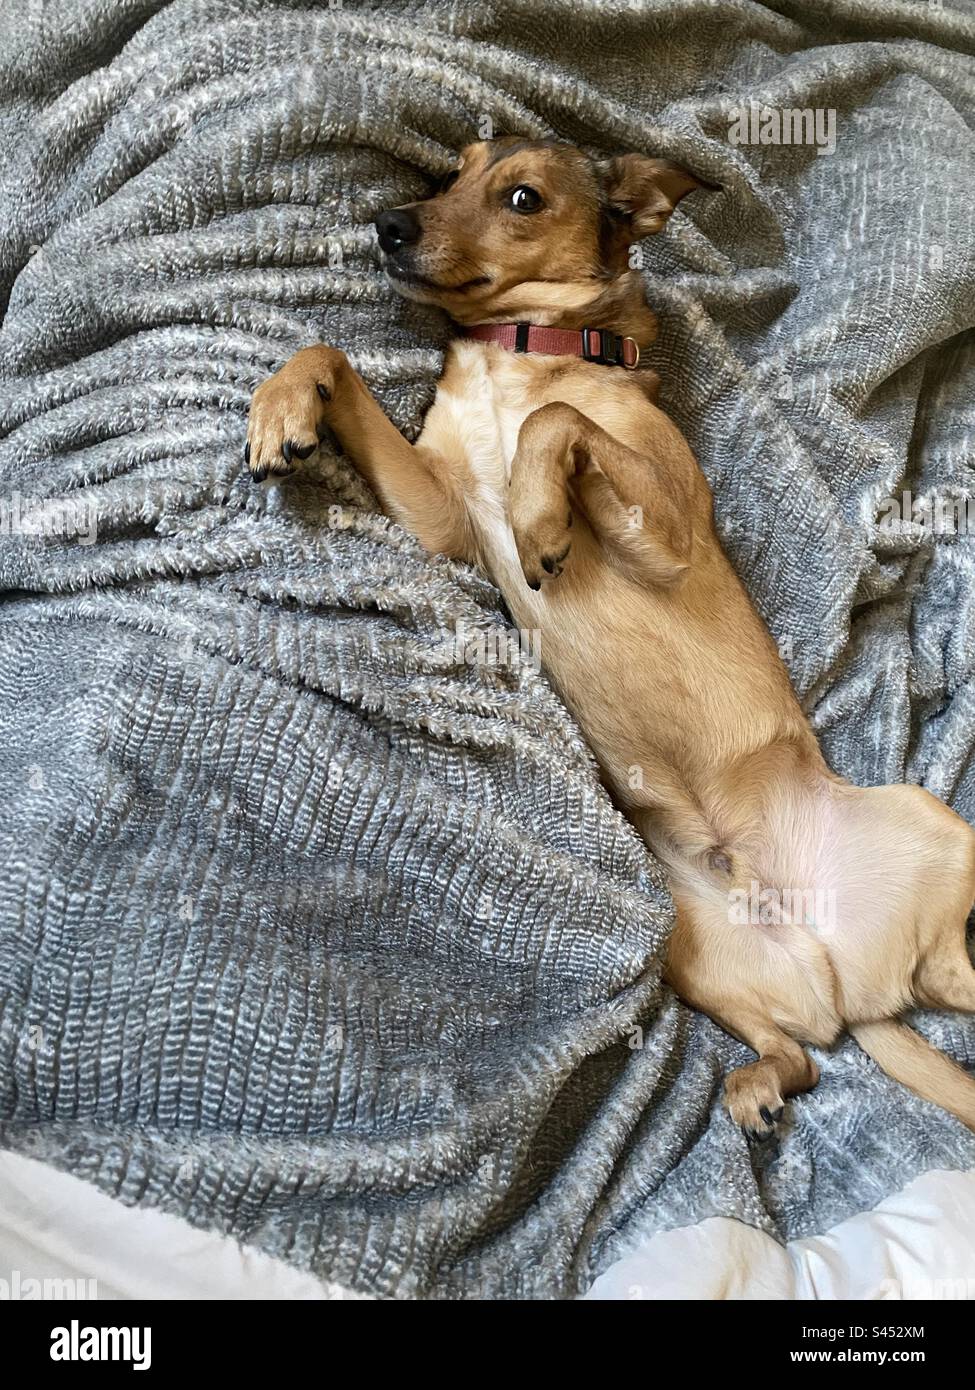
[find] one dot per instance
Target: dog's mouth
(412, 279)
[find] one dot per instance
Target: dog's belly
(837, 893)
(654, 680)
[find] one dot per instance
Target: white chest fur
(483, 398)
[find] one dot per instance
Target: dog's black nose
(396, 228)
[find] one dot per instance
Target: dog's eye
(525, 199)
(449, 180)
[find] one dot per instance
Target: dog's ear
(644, 191)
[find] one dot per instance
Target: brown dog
(560, 477)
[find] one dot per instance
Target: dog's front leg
(640, 514)
(318, 387)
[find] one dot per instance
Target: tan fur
(583, 502)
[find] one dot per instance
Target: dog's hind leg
(754, 1095)
(924, 885)
(740, 980)
(912, 924)
(944, 978)
(947, 982)
(911, 1060)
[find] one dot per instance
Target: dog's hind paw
(753, 1100)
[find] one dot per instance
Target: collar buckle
(592, 345)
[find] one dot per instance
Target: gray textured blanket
(315, 924)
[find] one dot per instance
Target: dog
(545, 460)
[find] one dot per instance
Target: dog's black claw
(324, 392)
(260, 474)
(560, 558)
(247, 452)
(286, 449)
(759, 1135)
(766, 1114)
(535, 586)
(548, 564)
(304, 453)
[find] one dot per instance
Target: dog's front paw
(753, 1099)
(290, 410)
(543, 544)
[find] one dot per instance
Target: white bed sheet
(918, 1244)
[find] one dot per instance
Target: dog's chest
(483, 398)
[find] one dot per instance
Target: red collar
(591, 344)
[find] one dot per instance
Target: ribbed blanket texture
(316, 925)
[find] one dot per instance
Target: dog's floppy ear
(644, 191)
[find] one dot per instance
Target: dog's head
(529, 229)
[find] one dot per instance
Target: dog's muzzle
(397, 228)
